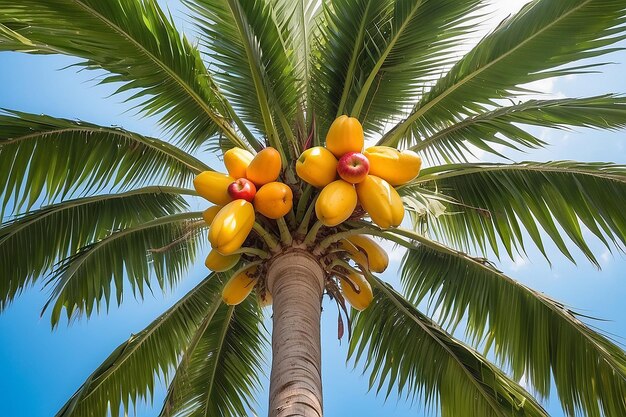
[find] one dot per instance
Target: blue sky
(41, 369)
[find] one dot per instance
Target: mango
(317, 166)
(231, 226)
(209, 214)
(274, 200)
(265, 167)
(213, 186)
(236, 161)
(354, 253)
(393, 166)
(335, 203)
(239, 286)
(220, 263)
(362, 297)
(381, 201)
(345, 135)
(377, 257)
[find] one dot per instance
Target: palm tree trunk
(296, 282)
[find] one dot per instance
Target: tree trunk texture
(296, 282)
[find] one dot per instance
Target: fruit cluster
(249, 185)
(366, 177)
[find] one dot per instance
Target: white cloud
(518, 263)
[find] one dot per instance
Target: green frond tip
(495, 202)
(537, 338)
(129, 375)
(52, 233)
(218, 373)
(44, 158)
(405, 350)
(84, 280)
(136, 43)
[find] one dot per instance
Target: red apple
(242, 189)
(353, 167)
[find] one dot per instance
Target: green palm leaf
(541, 41)
(499, 126)
(80, 157)
(494, 203)
(405, 349)
(303, 19)
(137, 43)
(413, 45)
(84, 280)
(255, 71)
(336, 54)
(535, 336)
(128, 375)
(218, 372)
(54, 232)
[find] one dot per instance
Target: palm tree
(110, 207)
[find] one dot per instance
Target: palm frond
(128, 375)
(84, 280)
(336, 53)
(31, 244)
(138, 45)
(533, 335)
(403, 348)
(247, 46)
(541, 41)
(43, 158)
(414, 44)
(499, 127)
(219, 371)
(495, 202)
(303, 18)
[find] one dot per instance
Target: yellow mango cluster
(376, 194)
(231, 221)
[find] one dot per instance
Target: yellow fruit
(381, 201)
(265, 167)
(236, 161)
(335, 203)
(344, 135)
(393, 166)
(357, 256)
(376, 255)
(231, 226)
(213, 186)
(274, 200)
(209, 214)
(361, 298)
(317, 166)
(220, 263)
(239, 286)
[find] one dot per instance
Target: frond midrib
(226, 128)
(456, 170)
(148, 142)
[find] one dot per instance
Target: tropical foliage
(109, 208)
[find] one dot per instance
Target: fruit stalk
(310, 237)
(271, 243)
(285, 234)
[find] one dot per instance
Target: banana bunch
(366, 178)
